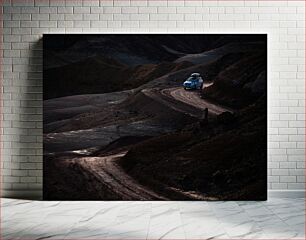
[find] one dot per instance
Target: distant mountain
(128, 49)
(88, 64)
(133, 49)
(217, 53)
(101, 74)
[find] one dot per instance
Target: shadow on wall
(30, 144)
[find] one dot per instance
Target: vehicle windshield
(192, 79)
(195, 75)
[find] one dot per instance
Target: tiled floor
(274, 219)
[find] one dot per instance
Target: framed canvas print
(155, 117)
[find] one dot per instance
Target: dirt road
(193, 98)
(112, 176)
(114, 180)
(188, 102)
(107, 171)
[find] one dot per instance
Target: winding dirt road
(107, 171)
(109, 176)
(116, 180)
(118, 183)
(185, 101)
(193, 98)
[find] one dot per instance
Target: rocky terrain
(117, 129)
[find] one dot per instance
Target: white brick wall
(24, 22)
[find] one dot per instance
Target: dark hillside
(101, 75)
(241, 83)
(221, 159)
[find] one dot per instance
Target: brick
(176, 3)
(82, 24)
(300, 179)
(195, 3)
(121, 17)
(273, 179)
(291, 10)
(29, 10)
(19, 173)
(221, 24)
(28, 179)
(40, 16)
(81, 10)
(91, 16)
(48, 9)
(294, 124)
(287, 131)
(98, 24)
(21, 31)
(11, 24)
(21, 16)
(186, 10)
(287, 165)
(96, 10)
(73, 17)
(23, 3)
(30, 24)
(42, 2)
(10, 179)
(166, 10)
(195, 17)
(129, 10)
(296, 172)
(167, 24)
(11, 38)
(130, 24)
(280, 172)
(57, 3)
(242, 10)
(261, 10)
(62, 10)
(114, 24)
(296, 186)
(74, 3)
(57, 17)
(95, 2)
(112, 10)
(148, 24)
(158, 3)
(121, 3)
(217, 10)
(147, 10)
(139, 17)
(229, 17)
(104, 17)
(288, 179)
(202, 10)
(11, 9)
(176, 17)
(273, 165)
(287, 145)
(160, 17)
(35, 173)
(65, 24)
(277, 186)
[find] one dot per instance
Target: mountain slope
(241, 83)
(192, 160)
(100, 75)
